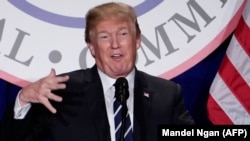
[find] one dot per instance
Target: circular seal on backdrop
(36, 36)
(67, 21)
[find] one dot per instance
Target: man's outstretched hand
(41, 90)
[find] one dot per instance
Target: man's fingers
(48, 84)
(55, 97)
(48, 105)
(51, 108)
(57, 86)
(54, 82)
(59, 82)
(60, 79)
(52, 72)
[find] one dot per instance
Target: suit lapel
(97, 109)
(142, 107)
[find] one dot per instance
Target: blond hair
(105, 11)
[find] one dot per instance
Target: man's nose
(115, 42)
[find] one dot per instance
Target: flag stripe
(220, 114)
(239, 59)
(243, 31)
(228, 102)
(235, 83)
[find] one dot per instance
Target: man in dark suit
(77, 105)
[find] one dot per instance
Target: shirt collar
(107, 82)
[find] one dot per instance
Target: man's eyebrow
(123, 27)
(101, 32)
(105, 31)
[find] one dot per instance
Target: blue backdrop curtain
(8, 93)
(195, 83)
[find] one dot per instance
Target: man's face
(114, 45)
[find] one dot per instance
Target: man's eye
(123, 33)
(103, 36)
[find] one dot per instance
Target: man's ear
(138, 43)
(91, 48)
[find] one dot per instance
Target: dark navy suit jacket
(81, 116)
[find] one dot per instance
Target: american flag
(229, 99)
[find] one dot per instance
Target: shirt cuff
(20, 111)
